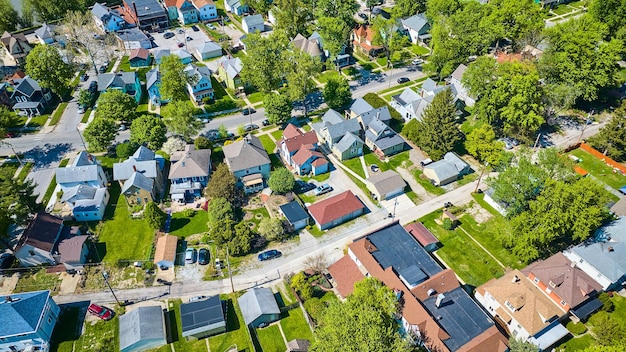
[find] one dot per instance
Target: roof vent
(146, 8)
(515, 278)
(440, 299)
(431, 292)
(611, 249)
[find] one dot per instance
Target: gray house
(189, 172)
(140, 176)
(385, 185)
(295, 214)
(340, 135)
(253, 23)
(446, 170)
(418, 27)
(382, 140)
(207, 50)
(203, 318)
(259, 306)
(249, 162)
(142, 329)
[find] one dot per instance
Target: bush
(220, 105)
(447, 224)
(188, 212)
(576, 328)
(315, 307)
(607, 303)
(202, 143)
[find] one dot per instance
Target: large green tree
(277, 107)
(117, 106)
(335, 33)
(608, 331)
(271, 228)
(612, 137)
(407, 8)
(174, 79)
(155, 217)
(281, 180)
(49, 10)
(85, 98)
(437, 9)
(516, 20)
(241, 243)
(610, 12)
(8, 16)
(481, 143)
(259, 6)
(222, 183)
(262, 66)
(219, 211)
(17, 202)
(45, 64)
(337, 92)
(179, 119)
(300, 66)
(293, 17)
(8, 119)
(342, 10)
(518, 345)
(386, 35)
(100, 133)
(149, 130)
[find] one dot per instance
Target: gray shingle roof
(152, 77)
(208, 47)
(245, 154)
(190, 163)
(143, 323)
(232, 66)
(146, 8)
(115, 80)
(202, 315)
(79, 192)
(45, 31)
(387, 181)
(23, 312)
(77, 174)
(83, 158)
(256, 302)
(142, 154)
(123, 171)
(385, 142)
(448, 167)
(253, 20)
(99, 10)
(458, 73)
(360, 106)
(92, 203)
(137, 179)
(332, 116)
(381, 114)
(159, 54)
(346, 142)
(132, 35)
(416, 22)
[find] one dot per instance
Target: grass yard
(295, 326)
(425, 182)
(100, 336)
(418, 50)
(355, 165)
(218, 89)
(578, 343)
(467, 179)
(271, 340)
(39, 120)
(36, 281)
(56, 116)
(318, 178)
(327, 75)
(183, 226)
(412, 196)
(124, 64)
(180, 343)
(53, 184)
(255, 97)
(268, 143)
(86, 116)
(275, 160)
(236, 333)
(599, 169)
(278, 134)
(25, 171)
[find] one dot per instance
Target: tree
(219, 210)
(281, 181)
(116, 106)
(9, 18)
(515, 20)
(179, 119)
(436, 9)
(126, 149)
(518, 345)
(148, 130)
(240, 244)
(277, 107)
(337, 92)
(299, 283)
(173, 144)
(316, 263)
(259, 6)
(370, 4)
(300, 67)
(607, 303)
(45, 64)
(271, 228)
(612, 137)
(342, 10)
(407, 8)
(293, 16)
(174, 79)
(8, 118)
(100, 133)
(79, 28)
(17, 202)
(607, 330)
(334, 32)
(386, 34)
(155, 217)
(437, 133)
(481, 143)
(202, 143)
(222, 183)
(49, 10)
(480, 76)
(85, 98)
(610, 12)
(261, 67)
(558, 97)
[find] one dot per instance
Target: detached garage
(165, 252)
(142, 329)
(336, 210)
(259, 306)
(385, 185)
(203, 318)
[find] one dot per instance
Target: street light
(14, 152)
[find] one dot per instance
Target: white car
(417, 61)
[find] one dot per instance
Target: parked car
(197, 298)
(362, 15)
(190, 255)
(417, 61)
(164, 282)
(101, 312)
(93, 86)
(250, 127)
(248, 111)
(322, 189)
(403, 80)
(507, 144)
(84, 77)
(81, 109)
(189, 39)
(267, 255)
(180, 44)
(374, 168)
(195, 28)
(266, 122)
(181, 31)
(303, 186)
(203, 256)
(211, 26)
(168, 35)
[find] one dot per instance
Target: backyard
(96, 336)
(599, 169)
(236, 334)
(182, 225)
(180, 343)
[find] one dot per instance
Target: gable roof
(182, 54)
(232, 66)
(450, 166)
(386, 181)
(202, 315)
(332, 116)
(141, 324)
(124, 170)
(360, 106)
(70, 174)
(181, 3)
(256, 302)
(45, 31)
(309, 46)
(160, 53)
(27, 86)
(346, 273)
(24, 311)
(415, 22)
(202, 3)
(346, 142)
(245, 154)
(380, 114)
(208, 46)
(253, 20)
(458, 73)
(364, 31)
(294, 212)
(170, 3)
(115, 80)
(305, 154)
(132, 35)
(198, 72)
(294, 139)
(139, 53)
(152, 77)
(137, 179)
(335, 207)
(143, 153)
(166, 248)
(421, 233)
(190, 163)
(42, 232)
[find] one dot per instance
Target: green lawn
(418, 50)
(36, 281)
(218, 89)
(599, 169)
(425, 182)
(278, 134)
(255, 97)
(124, 64)
(56, 116)
(101, 336)
(578, 343)
(398, 160)
(183, 226)
(39, 120)
(355, 165)
(25, 171)
(275, 161)
(268, 143)
(562, 9)
(236, 333)
(324, 77)
(86, 116)
(180, 343)
(295, 326)
(271, 340)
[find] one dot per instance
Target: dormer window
(552, 284)
(510, 306)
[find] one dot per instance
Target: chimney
(611, 249)
(134, 168)
(8, 299)
(515, 279)
(439, 300)
(431, 292)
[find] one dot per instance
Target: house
(433, 306)
(365, 113)
(187, 12)
(189, 172)
(127, 82)
(346, 273)
(184, 56)
(5, 98)
(418, 27)
(229, 71)
(525, 311)
(140, 58)
(386, 185)
(297, 345)
(336, 210)
(461, 91)
(30, 98)
(134, 38)
(423, 236)
(382, 140)
(258, 306)
(37, 244)
(74, 251)
(203, 318)
(148, 15)
(253, 23)
(603, 257)
(172, 10)
(309, 161)
(339, 135)
(45, 34)
(140, 176)
(83, 185)
(446, 170)
(16, 48)
(202, 87)
(619, 208)
(295, 214)
(165, 252)
(207, 50)
(141, 329)
(108, 20)
(235, 7)
(206, 9)
(249, 162)
(409, 104)
(500, 207)
(310, 46)
(362, 39)
(153, 86)
(298, 150)
(160, 54)
(27, 321)
(565, 283)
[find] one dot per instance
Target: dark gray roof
(138, 180)
(27, 86)
(294, 212)
(132, 35)
(387, 141)
(91, 203)
(381, 114)
(45, 31)
(246, 153)
(140, 324)
(123, 171)
(450, 166)
(460, 316)
(146, 7)
(83, 158)
(116, 80)
(256, 302)
(202, 315)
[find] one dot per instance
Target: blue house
(172, 10)
(187, 13)
(258, 306)
(153, 85)
(127, 82)
(27, 320)
(107, 19)
(207, 9)
(236, 7)
(184, 56)
(295, 214)
(160, 54)
(140, 58)
(202, 87)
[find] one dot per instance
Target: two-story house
(189, 173)
(206, 9)
(27, 321)
(411, 104)
(236, 7)
(382, 140)
(362, 39)
(153, 86)
(127, 82)
(249, 162)
(16, 48)
(29, 97)
(418, 27)
(339, 135)
(46, 33)
(83, 187)
(172, 10)
(310, 46)
(108, 20)
(140, 58)
(298, 150)
(201, 86)
(140, 176)
(229, 71)
(148, 15)
(187, 12)
(462, 92)
(37, 242)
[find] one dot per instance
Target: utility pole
(106, 280)
(14, 152)
(230, 273)
(480, 177)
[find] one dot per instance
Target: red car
(101, 312)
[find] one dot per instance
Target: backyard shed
(202, 318)
(297, 217)
(142, 329)
(259, 306)
(336, 210)
(446, 170)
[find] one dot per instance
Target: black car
(250, 127)
(102, 69)
(195, 29)
(84, 77)
(403, 80)
(248, 111)
(203, 256)
(266, 122)
(168, 35)
(267, 255)
(93, 86)
(362, 15)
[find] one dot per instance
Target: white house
(253, 24)
(418, 27)
(37, 244)
(461, 91)
(207, 50)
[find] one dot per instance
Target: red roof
(319, 162)
(291, 131)
(295, 140)
(346, 274)
(579, 170)
(140, 53)
(421, 233)
(335, 207)
(170, 3)
(305, 154)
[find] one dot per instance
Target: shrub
(188, 212)
(576, 328)
(221, 105)
(447, 224)
(607, 303)
(202, 143)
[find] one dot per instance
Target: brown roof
(346, 274)
(71, 248)
(17, 75)
(201, 3)
(489, 341)
(296, 141)
(166, 248)
(568, 281)
(365, 31)
(319, 162)
(335, 207)
(170, 3)
(619, 208)
(304, 154)
(450, 216)
(291, 131)
(421, 233)
(443, 281)
(42, 232)
(139, 53)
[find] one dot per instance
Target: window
(31, 252)
(49, 320)
(510, 306)
(536, 280)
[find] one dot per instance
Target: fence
(614, 164)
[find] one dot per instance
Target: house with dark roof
(27, 321)
(309, 45)
(203, 318)
(74, 251)
(229, 71)
(108, 20)
(29, 97)
(16, 48)
(423, 236)
(141, 329)
(249, 162)
(206, 9)
(298, 149)
(140, 58)
(253, 23)
(140, 176)
(187, 12)
(165, 251)
(418, 28)
(295, 214)
(382, 140)
(336, 210)
(37, 244)
(148, 15)
(207, 50)
(189, 172)
(362, 39)
(133, 38)
(258, 306)
(127, 82)
(446, 170)
(201, 87)
(339, 135)
(386, 185)
(5, 97)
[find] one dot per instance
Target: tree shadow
(178, 223)
(42, 157)
(232, 321)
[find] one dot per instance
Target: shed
(207, 50)
(336, 210)
(297, 217)
(446, 170)
(165, 252)
(386, 184)
(142, 329)
(253, 24)
(297, 345)
(259, 306)
(202, 318)
(423, 236)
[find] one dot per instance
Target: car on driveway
(362, 15)
(267, 255)
(84, 77)
(303, 186)
(211, 26)
(403, 80)
(181, 31)
(417, 61)
(190, 255)
(197, 298)
(101, 312)
(168, 35)
(195, 28)
(81, 109)
(374, 168)
(203, 256)
(250, 127)
(103, 69)
(322, 189)
(180, 44)
(248, 111)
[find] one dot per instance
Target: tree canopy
(300, 66)
(612, 137)
(481, 143)
(100, 133)
(17, 201)
(155, 217)
(337, 92)
(293, 17)
(222, 183)
(271, 228)
(277, 107)
(334, 32)
(45, 64)
(261, 67)
(179, 119)
(219, 211)
(174, 79)
(116, 106)
(9, 18)
(407, 8)
(149, 130)
(281, 181)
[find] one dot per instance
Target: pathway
(364, 165)
(483, 248)
(282, 333)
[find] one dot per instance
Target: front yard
(236, 334)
